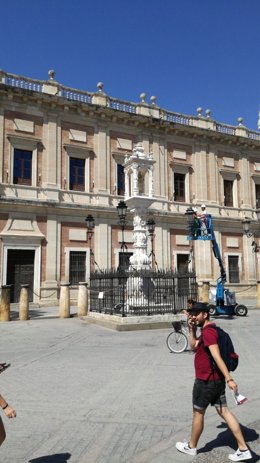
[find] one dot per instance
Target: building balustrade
(70, 94)
(76, 96)
(227, 129)
(253, 135)
(177, 118)
(81, 198)
(26, 84)
(122, 106)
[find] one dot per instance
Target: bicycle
(177, 340)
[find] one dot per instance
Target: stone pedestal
(5, 304)
(64, 308)
(24, 303)
(82, 299)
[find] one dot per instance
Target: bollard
(258, 294)
(24, 303)
(82, 299)
(64, 308)
(205, 292)
(5, 304)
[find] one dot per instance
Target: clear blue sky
(188, 53)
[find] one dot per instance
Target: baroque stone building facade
(62, 155)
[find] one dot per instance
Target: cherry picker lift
(200, 227)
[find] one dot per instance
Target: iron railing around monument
(143, 292)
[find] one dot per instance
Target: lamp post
(192, 222)
(193, 231)
(90, 222)
(150, 223)
(122, 213)
(252, 234)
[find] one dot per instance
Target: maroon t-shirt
(202, 363)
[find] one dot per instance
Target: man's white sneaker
(240, 455)
(185, 448)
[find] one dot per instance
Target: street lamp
(150, 223)
(90, 222)
(192, 222)
(122, 212)
(252, 234)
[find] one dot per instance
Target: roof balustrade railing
(71, 94)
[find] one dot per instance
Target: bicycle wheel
(177, 342)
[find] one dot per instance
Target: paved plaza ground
(85, 394)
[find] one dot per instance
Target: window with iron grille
(233, 269)
(77, 267)
(77, 174)
(228, 193)
(120, 180)
(179, 187)
(257, 196)
(22, 173)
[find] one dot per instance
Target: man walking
(209, 385)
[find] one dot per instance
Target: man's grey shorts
(208, 392)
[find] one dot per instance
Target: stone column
(51, 155)
(5, 304)
(202, 256)
(246, 184)
(127, 184)
(200, 172)
(212, 177)
(204, 295)
(52, 252)
(64, 309)
(24, 303)
(258, 294)
(82, 299)
(250, 261)
(139, 260)
(160, 173)
(102, 162)
(162, 245)
(135, 180)
(151, 185)
(2, 179)
(103, 244)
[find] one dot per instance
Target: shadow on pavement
(57, 458)
(225, 438)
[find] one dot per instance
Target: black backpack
(227, 350)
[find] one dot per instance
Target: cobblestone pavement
(86, 394)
